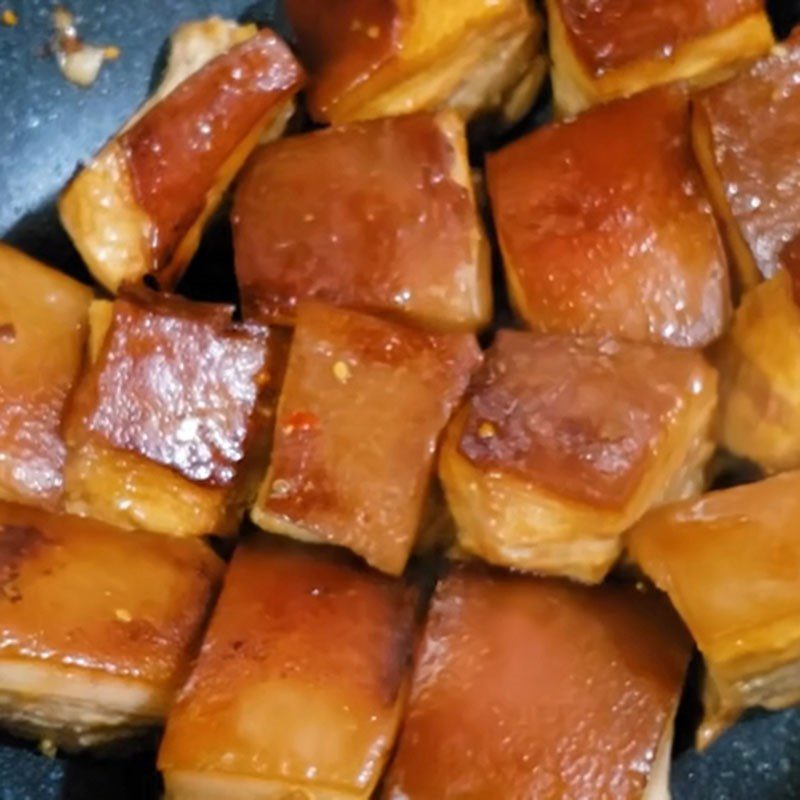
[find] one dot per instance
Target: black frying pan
(46, 127)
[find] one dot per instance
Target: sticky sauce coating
(301, 675)
(753, 128)
(42, 333)
(177, 383)
(348, 466)
(578, 417)
(608, 34)
(536, 688)
(602, 236)
(78, 593)
(176, 151)
(370, 216)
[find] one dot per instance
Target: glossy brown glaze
(753, 125)
(605, 227)
(301, 674)
(42, 333)
(530, 688)
(402, 236)
(363, 405)
(610, 34)
(177, 383)
(343, 44)
(77, 593)
(579, 417)
(177, 149)
(729, 561)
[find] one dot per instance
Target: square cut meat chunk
(169, 427)
(138, 208)
(363, 405)
(530, 688)
(747, 139)
(759, 366)
(301, 682)
(605, 227)
(377, 215)
(97, 625)
(614, 48)
(563, 443)
(729, 562)
(43, 328)
(375, 58)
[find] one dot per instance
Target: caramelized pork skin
(729, 562)
(615, 48)
(380, 58)
(602, 237)
(363, 405)
(530, 688)
(565, 442)
(139, 207)
(43, 324)
(97, 625)
(754, 169)
(759, 366)
(169, 426)
(403, 238)
(300, 684)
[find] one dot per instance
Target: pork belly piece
(564, 443)
(169, 427)
(530, 688)
(729, 562)
(363, 405)
(605, 228)
(747, 139)
(301, 682)
(43, 324)
(138, 208)
(615, 48)
(373, 58)
(401, 236)
(97, 625)
(759, 365)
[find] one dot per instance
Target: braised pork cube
(729, 562)
(138, 208)
(168, 429)
(564, 443)
(43, 324)
(759, 366)
(747, 139)
(614, 48)
(370, 58)
(541, 689)
(97, 625)
(605, 228)
(363, 405)
(402, 238)
(301, 682)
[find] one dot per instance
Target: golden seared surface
(302, 673)
(43, 325)
(600, 235)
(609, 34)
(403, 236)
(77, 593)
(177, 383)
(729, 562)
(347, 468)
(752, 125)
(581, 418)
(532, 688)
(177, 149)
